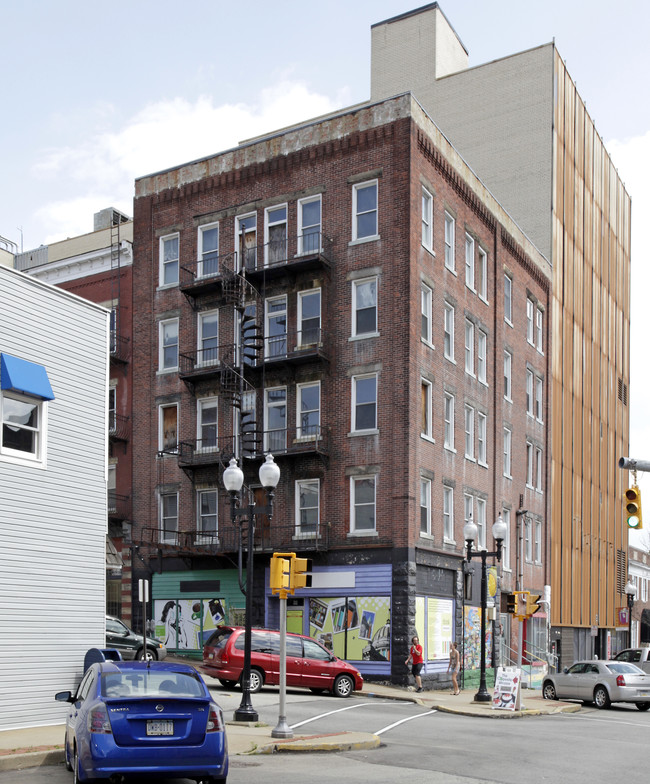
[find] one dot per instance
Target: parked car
(131, 645)
(153, 718)
(638, 656)
(309, 664)
(601, 682)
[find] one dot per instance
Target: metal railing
(118, 426)
(119, 506)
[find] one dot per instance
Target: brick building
(395, 363)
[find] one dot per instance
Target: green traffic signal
(633, 507)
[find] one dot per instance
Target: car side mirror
(565, 670)
(64, 696)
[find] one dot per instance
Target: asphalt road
(426, 746)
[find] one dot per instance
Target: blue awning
(28, 378)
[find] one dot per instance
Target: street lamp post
(470, 532)
(233, 479)
(630, 591)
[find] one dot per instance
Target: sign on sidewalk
(507, 689)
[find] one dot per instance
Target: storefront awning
(28, 378)
(113, 558)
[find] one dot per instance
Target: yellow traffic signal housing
(298, 577)
(280, 574)
(521, 598)
(510, 602)
(633, 507)
(532, 603)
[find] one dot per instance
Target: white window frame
(507, 452)
(36, 456)
(353, 504)
(354, 405)
(165, 265)
(470, 261)
(529, 464)
(204, 405)
(448, 513)
(450, 242)
(162, 367)
(161, 428)
(425, 507)
(357, 285)
(299, 529)
(427, 220)
(507, 375)
(470, 414)
(307, 436)
(530, 319)
(165, 538)
(306, 247)
(539, 330)
(206, 534)
(275, 345)
(207, 356)
(268, 225)
(482, 272)
(302, 296)
(449, 406)
(481, 522)
(355, 214)
(505, 545)
(539, 469)
(537, 548)
(426, 306)
(202, 261)
(469, 348)
(530, 386)
(507, 299)
(270, 442)
(539, 399)
(240, 234)
(448, 343)
(481, 438)
(481, 356)
(426, 397)
(528, 540)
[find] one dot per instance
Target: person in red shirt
(416, 658)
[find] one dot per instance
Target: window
(168, 428)
(168, 341)
(450, 242)
(449, 420)
(169, 262)
(426, 300)
(425, 507)
(168, 518)
(112, 409)
(275, 419)
(364, 403)
(482, 357)
(275, 235)
(309, 225)
(362, 503)
(427, 410)
(309, 316)
(469, 432)
(308, 413)
(364, 307)
(481, 274)
(469, 262)
(481, 516)
(538, 541)
(364, 211)
(529, 393)
(276, 327)
(482, 438)
(208, 338)
(307, 506)
(448, 513)
(469, 347)
(507, 452)
(539, 329)
(449, 332)
(206, 423)
(539, 390)
(23, 426)
(505, 547)
(507, 299)
(208, 250)
(246, 232)
(507, 375)
(538, 470)
(468, 503)
(529, 464)
(528, 536)
(427, 219)
(207, 514)
(530, 329)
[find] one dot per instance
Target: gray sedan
(600, 682)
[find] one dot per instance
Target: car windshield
(620, 667)
(150, 683)
(219, 638)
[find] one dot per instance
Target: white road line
(340, 710)
(604, 720)
(397, 723)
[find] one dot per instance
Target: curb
(319, 743)
(31, 759)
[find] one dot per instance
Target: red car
(309, 664)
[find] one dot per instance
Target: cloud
(101, 171)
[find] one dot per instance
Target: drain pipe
(519, 583)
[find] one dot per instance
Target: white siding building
(53, 465)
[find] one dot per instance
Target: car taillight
(98, 720)
(215, 719)
(620, 680)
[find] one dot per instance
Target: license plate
(160, 727)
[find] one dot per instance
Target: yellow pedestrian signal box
(280, 574)
(633, 507)
(532, 604)
(299, 576)
(521, 599)
(510, 601)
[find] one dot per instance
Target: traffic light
(299, 578)
(280, 574)
(510, 602)
(633, 507)
(520, 603)
(532, 603)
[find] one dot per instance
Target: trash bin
(100, 655)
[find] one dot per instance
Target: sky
(97, 94)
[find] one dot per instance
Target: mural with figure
(185, 624)
(472, 640)
(353, 628)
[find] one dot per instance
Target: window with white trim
(206, 424)
(469, 347)
(308, 411)
(309, 225)
(505, 546)
(364, 403)
(22, 427)
(530, 321)
(468, 508)
(539, 329)
(275, 235)
(481, 520)
(507, 452)
(364, 210)
(425, 506)
(530, 401)
(307, 506)
(481, 274)
(450, 242)
(449, 332)
(539, 470)
(168, 518)
(168, 428)
(309, 318)
(275, 330)
(208, 250)
(507, 375)
(448, 513)
(364, 307)
(481, 356)
(507, 299)
(206, 515)
(426, 305)
(168, 345)
(469, 262)
(426, 430)
(481, 438)
(363, 503)
(469, 432)
(275, 419)
(246, 233)
(528, 539)
(539, 391)
(538, 541)
(530, 464)
(449, 405)
(427, 219)
(169, 260)
(208, 338)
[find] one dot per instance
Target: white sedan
(600, 682)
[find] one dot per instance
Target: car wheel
(151, 655)
(343, 686)
(601, 697)
(643, 706)
(256, 680)
(76, 770)
(548, 691)
(68, 761)
(227, 684)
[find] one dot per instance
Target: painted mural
(472, 640)
(185, 624)
(353, 628)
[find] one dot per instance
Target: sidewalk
(36, 746)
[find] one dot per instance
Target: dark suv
(129, 644)
(309, 664)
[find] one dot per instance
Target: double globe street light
(233, 480)
(470, 533)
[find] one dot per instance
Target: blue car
(148, 718)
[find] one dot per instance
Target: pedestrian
(454, 666)
(416, 658)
